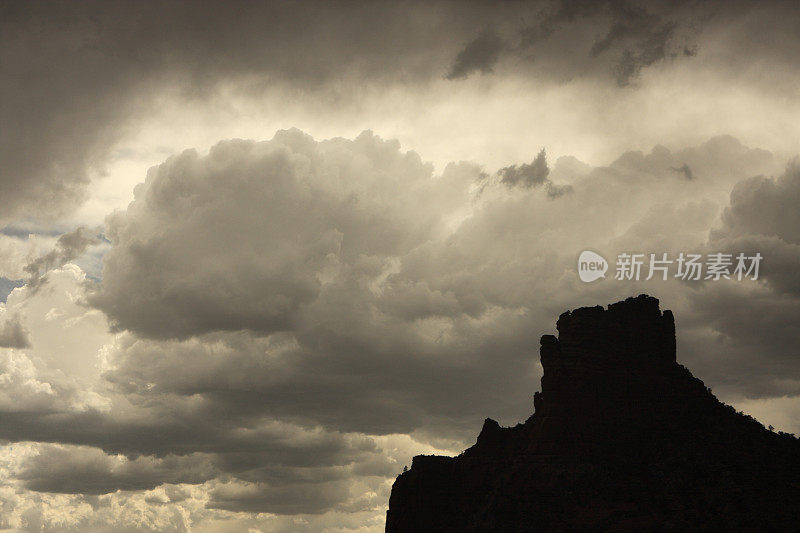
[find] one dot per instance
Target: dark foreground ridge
(622, 438)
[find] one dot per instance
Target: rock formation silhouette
(623, 438)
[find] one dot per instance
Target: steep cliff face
(622, 438)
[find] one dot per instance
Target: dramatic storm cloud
(77, 77)
(344, 313)
(286, 217)
(209, 326)
(630, 38)
(479, 55)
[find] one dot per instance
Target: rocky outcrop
(622, 438)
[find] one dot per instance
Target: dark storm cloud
(686, 170)
(533, 174)
(746, 338)
(90, 471)
(765, 206)
(76, 74)
(749, 329)
(68, 247)
(530, 174)
(762, 217)
(353, 385)
(754, 328)
(13, 334)
(556, 191)
(295, 499)
(298, 470)
(480, 55)
(161, 433)
(643, 38)
(627, 38)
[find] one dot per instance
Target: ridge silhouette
(622, 438)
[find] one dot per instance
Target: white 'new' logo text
(591, 266)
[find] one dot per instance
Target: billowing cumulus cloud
(288, 216)
(764, 205)
(466, 283)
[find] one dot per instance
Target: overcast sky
(255, 257)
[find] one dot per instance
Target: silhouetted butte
(622, 438)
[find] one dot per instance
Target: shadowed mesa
(622, 438)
